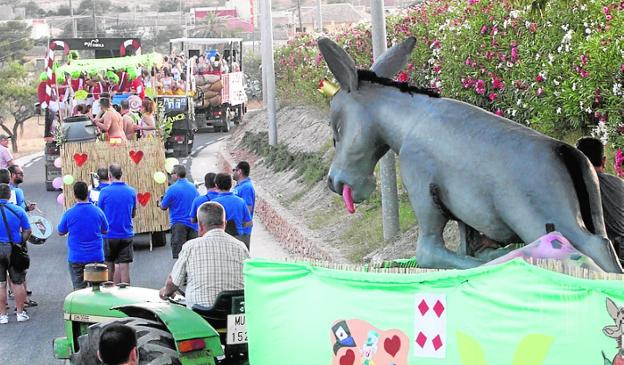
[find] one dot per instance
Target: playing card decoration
(356, 341)
(430, 326)
(80, 159)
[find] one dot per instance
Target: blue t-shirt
(16, 218)
(201, 200)
(246, 191)
(235, 209)
(179, 200)
(85, 224)
(117, 202)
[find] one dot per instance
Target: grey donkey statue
(459, 162)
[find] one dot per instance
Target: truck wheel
(155, 344)
(159, 239)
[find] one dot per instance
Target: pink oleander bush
(559, 69)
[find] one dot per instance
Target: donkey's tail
(586, 187)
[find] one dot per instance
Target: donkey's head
(358, 143)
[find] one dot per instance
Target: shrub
(558, 69)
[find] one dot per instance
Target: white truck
(215, 67)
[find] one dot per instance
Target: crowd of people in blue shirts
(99, 225)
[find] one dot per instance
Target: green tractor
(167, 331)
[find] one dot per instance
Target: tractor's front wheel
(155, 344)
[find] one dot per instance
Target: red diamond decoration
(421, 339)
(438, 308)
(423, 307)
(437, 342)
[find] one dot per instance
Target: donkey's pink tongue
(348, 198)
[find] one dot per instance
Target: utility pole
(299, 15)
(389, 193)
(268, 70)
(319, 17)
(94, 21)
(71, 14)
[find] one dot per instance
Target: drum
(41, 229)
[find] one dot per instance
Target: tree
(14, 40)
(33, 10)
(210, 26)
(18, 96)
(101, 6)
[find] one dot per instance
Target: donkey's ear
(394, 60)
(340, 64)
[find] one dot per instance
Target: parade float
(82, 151)
(557, 300)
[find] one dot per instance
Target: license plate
(236, 329)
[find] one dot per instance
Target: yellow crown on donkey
(327, 88)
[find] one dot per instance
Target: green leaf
(470, 351)
(532, 350)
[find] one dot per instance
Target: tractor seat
(227, 302)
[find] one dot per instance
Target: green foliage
(14, 40)
(18, 95)
(311, 167)
(555, 65)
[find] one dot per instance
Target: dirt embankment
(311, 213)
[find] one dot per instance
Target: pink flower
(499, 112)
(597, 96)
(497, 84)
(484, 29)
(540, 91)
(494, 30)
(467, 82)
(606, 10)
(619, 159)
(480, 87)
(437, 69)
(584, 59)
(533, 27)
(539, 78)
(492, 96)
(622, 67)
(584, 73)
(435, 44)
(472, 2)
(514, 54)
(609, 17)
(402, 77)
(468, 61)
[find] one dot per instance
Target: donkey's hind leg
(430, 249)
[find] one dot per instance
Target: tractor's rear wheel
(155, 344)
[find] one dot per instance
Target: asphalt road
(31, 342)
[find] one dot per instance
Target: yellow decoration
(327, 88)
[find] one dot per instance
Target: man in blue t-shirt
(237, 214)
(17, 177)
(179, 200)
(18, 232)
(244, 189)
(86, 225)
(209, 181)
(118, 201)
(104, 181)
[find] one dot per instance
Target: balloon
(170, 163)
(58, 162)
(57, 183)
(43, 76)
(68, 179)
(132, 73)
(75, 75)
(160, 177)
(61, 199)
(81, 95)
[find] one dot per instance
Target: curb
(288, 229)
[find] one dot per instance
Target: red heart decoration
(348, 358)
(392, 345)
(136, 156)
(80, 158)
(144, 198)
